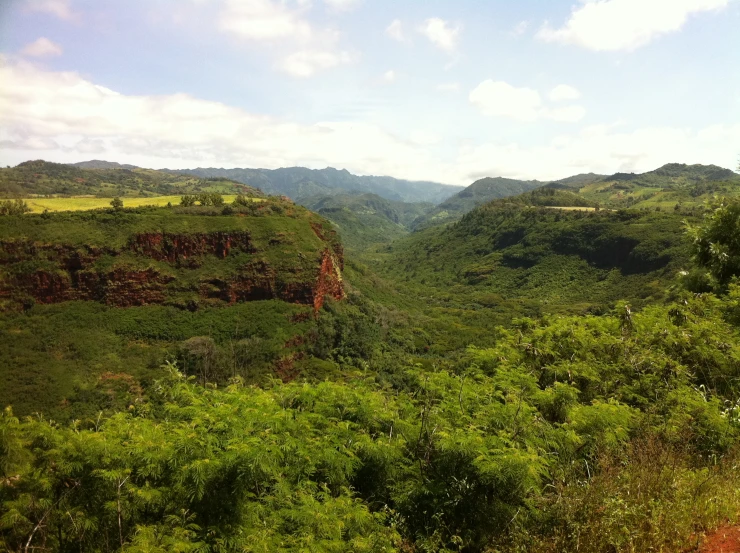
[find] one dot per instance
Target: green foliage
(209, 199)
(73, 359)
(303, 184)
(116, 203)
(672, 185)
(612, 428)
(241, 200)
(478, 193)
(33, 178)
(13, 207)
(187, 200)
(497, 452)
(558, 259)
(716, 242)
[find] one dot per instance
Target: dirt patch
(723, 540)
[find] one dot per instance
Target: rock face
(164, 268)
(174, 248)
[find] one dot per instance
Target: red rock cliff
(75, 276)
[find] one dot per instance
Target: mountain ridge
(301, 182)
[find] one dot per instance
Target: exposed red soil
(76, 279)
(723, 540)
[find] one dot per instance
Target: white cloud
(42, 47)
(29, 143)
(61, 116)
(425, 138)
(520, 28)
(306, 63)
(282, 26)
(500, 99)
(395, 31)
(263, 20)
(570, 114)
(441, 33)
(69, 115)
(603, 149)
(564, 92)
(625, 24)
(60, 8)
(449, 87)
(342, 5)
(389, 76)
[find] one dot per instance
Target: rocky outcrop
(329, 282)
(120, 287)
(52, 273)
(164, 246)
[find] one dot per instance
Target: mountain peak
(102, 164)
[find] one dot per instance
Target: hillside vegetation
(300, 183)
(478, 193)
(186, 259)
(43, 178)
(365, 220)
(77, 203)
(571, 434)
(558, 259)
(549, 372)
(671, 185)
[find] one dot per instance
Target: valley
(514, 366)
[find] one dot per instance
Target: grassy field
(81, 203)
(571, 208)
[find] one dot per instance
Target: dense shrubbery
(611, 431)
(449, 461)
(13, 207)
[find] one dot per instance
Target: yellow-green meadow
(82, 203)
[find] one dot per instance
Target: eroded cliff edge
(182, 257)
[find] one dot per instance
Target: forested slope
(42, 178)
(556, 258)
(543, 375)
(300, 183)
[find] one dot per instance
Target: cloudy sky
(441, 90)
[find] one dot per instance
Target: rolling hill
(364, 220)
(113, 292)
(672, 184)
(480, 192)
(536, 248)
(299, 183)
(106, 179)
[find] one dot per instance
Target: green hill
(100, 164)
(672, 184)
(559, 259)
(480, 192)
(364, 220)
(87, 293)
(300, 183)
(531, 377)
(104, 179)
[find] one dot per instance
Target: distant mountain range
(299, 183)
(100, 164)
(401, 204)
(106, 179)
(480, 192)
(664, 187)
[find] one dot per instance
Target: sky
(448, 91)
